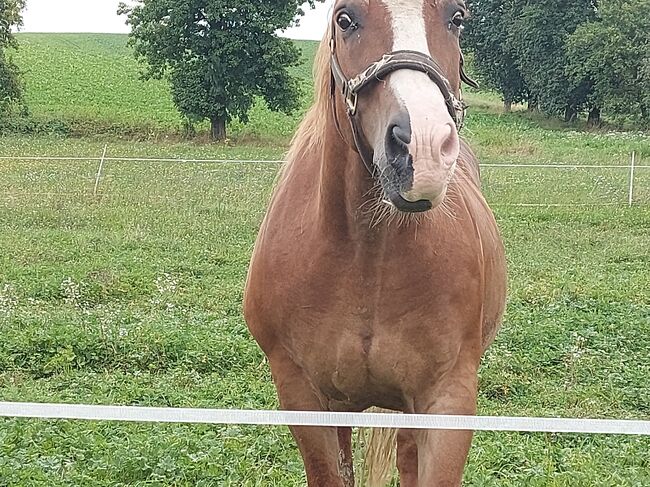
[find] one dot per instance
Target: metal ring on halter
(351, 101)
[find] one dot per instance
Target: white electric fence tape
(323, 419)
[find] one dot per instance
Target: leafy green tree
(537, 37)
(10, 85)
(614, 51)
(486, 35)
(219, 54)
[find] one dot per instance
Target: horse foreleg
(346, 460)
(442, 454)
(407, 459)
(319, 447)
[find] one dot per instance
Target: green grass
(91, 84)
(134, 296)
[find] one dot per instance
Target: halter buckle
(351, 101)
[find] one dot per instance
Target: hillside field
(91, 84)
(134, 296)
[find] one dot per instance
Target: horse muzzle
(416, 167)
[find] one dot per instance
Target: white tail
(380, 448)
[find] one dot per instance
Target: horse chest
(373, 321)
(362, 355)
(361, 329)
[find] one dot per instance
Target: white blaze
(421, 97)
(431, 123)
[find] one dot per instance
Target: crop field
(133, 296)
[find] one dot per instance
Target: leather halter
(389, 63)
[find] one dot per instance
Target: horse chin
(405, 206)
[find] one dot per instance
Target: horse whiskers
(371, 202)
(368, 206)
(450, 209)
(374, 205)
(375, 188)
(381, 211)
(400, 219)
(445, 210)
(377, 204)
(449, 206)
(384, 212)
(378, 210)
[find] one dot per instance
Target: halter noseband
(389, 63)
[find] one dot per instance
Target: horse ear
(463, 75)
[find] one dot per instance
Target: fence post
(99, 171)
(632, 166)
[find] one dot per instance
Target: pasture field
(134, 296)
(91, 84)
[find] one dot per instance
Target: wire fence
(622, 192)
(181, 160)
(86, 412)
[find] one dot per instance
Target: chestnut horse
(378, 277)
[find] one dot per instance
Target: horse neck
(345, 186)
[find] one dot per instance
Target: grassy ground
(91, 84)
(134, 297)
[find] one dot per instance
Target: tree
(218, 54)
(10, 85)
(486, 36)
(614, 51)
(537, 37)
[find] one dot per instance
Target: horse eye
(344, 21)
(458, 19)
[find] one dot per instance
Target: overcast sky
(100, 16)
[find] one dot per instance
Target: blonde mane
(311, 132)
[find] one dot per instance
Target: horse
(378, 278)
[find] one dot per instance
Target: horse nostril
(449, 146)
(399, 132)
(402, 136)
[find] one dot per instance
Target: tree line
(565, 58)
(219, 55)
(561, 58)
